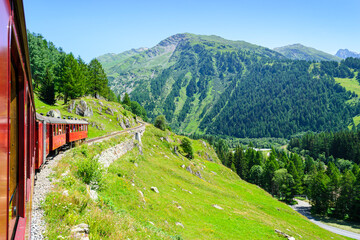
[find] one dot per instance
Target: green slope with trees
(58, 75)
(196, 198)
(216, 86)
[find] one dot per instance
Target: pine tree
(354, 214)
(344, 202)
(47, 88)
(319, 193)
(126, 100)
(97, 81)
(71, 86)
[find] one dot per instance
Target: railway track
(99, 139)
(43, 185)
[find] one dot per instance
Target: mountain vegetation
(196, 198)
(57, 74)
(336, 190)
(317, 167)
(209, 85)
(301, 52)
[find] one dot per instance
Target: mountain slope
(212, 85)
(345, 53)
(125, 74)
(301, 52)
(197, 199)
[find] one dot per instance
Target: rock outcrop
(54, 113)
(71, 106)
(83, 109)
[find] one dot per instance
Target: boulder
(80, 231)
(155, 189)
(101, 104)
(54, 113)
(176, 150)
(71, 106)
(217, 206)
(209, 158)
(122, 124)
(109, 111)
(83, 109)
(127, 123)
(189, 169)
(284, 234)
(179, 224)
(198, 174)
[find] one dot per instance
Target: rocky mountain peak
(345, 53)
(173, 40)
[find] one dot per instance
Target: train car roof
(59, 120)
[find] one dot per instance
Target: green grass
(101, 123)
(121, 212)
(350, 84)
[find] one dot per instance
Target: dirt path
(304, 208)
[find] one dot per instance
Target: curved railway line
(102, 138)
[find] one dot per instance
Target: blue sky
(90, 28)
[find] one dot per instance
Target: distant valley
(207, 84)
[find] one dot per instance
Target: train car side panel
(4, 115)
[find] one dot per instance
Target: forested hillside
(211, 85)
(57, 74)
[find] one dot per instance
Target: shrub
(160, 122)
(88, 169)
(187, 148)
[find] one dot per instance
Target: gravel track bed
(42, 187)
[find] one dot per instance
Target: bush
(160, 122)
(88, 170)
(187, 148)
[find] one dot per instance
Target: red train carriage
(17, 124)
(57, 132)
(77, 130)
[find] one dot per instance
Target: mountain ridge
(199, 81)
(300, 52)
(345, 53)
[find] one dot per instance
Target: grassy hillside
(102, 122)
(301, 52)
(352, 85)
(129, 69)
(219, 205)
